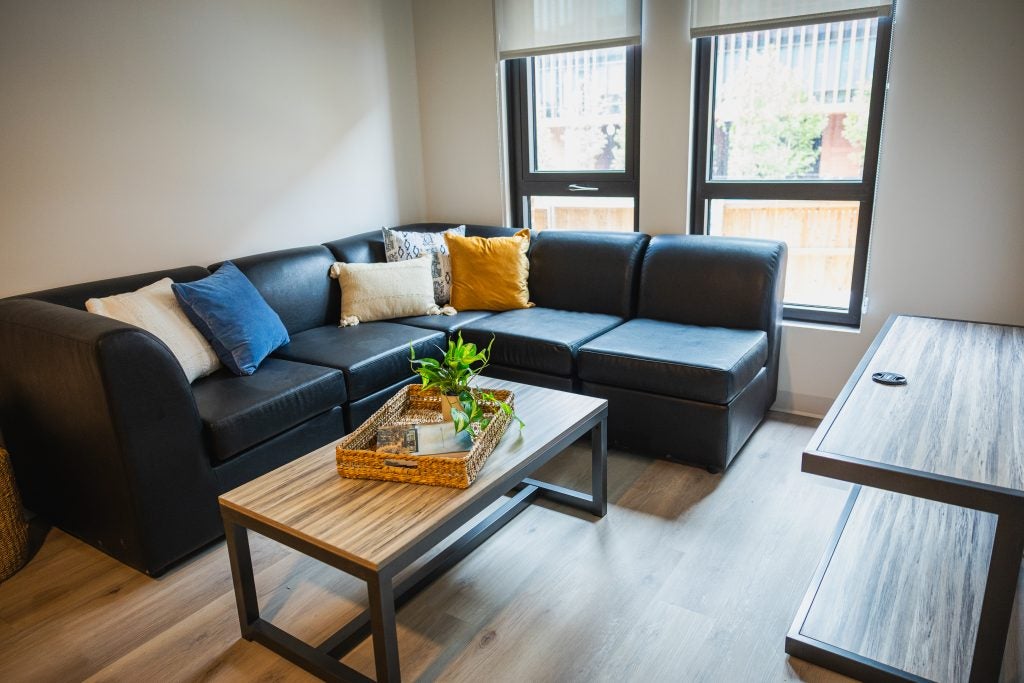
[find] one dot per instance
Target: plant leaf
(460, 419)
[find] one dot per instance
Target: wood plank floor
(690, 577)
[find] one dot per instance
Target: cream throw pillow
(155, 309)
(380, 291)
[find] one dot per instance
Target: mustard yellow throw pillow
(489, 273)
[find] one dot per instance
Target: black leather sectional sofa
(111, 443)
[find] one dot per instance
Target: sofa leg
(713, 469)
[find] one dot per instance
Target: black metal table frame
(1004, 563)
(386, 596)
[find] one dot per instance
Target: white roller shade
(534, 27)
(715, 17)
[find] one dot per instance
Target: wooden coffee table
(374, 529)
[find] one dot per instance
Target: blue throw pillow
(229, 311)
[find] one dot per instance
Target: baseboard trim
(805, 405)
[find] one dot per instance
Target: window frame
(704, 189)
(524, 181)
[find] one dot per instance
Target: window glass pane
(582, 213)
(579, 111)
(793, 103)
(821, 237)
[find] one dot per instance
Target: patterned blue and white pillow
(400, 245)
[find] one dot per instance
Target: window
(573, 139)
(787, 132)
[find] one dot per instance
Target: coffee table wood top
(371, 522)
(960, 418)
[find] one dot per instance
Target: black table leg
(253, 628)
(595, 502)
(242, 576)
(384, 628)
(599, 468)
(996, 606)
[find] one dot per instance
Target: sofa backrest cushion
(368, 247)
(592, 272)
(713, 281)
(75, 296)
(297, 285)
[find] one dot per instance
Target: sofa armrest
(103, 433)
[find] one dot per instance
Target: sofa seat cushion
(372, 355)
(239, 412)
(538, 339)
(444, 323)
(710, 364)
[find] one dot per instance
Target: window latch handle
(581, 188)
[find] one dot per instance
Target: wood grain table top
(960, 416)
(905, 584)
(373, 522)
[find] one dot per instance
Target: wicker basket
(13, 528)
(357, 458)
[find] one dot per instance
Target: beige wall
(457, 73)
(948, 238)
(665, 104)
(141, 135)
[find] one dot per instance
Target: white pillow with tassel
(381, 291)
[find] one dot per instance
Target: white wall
(948, 238)
(665, 108)
(458, 79)
(143, 135)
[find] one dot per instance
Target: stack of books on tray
(439, 439)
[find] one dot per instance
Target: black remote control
(893, 379)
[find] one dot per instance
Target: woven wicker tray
(357, 458)
(13, 528)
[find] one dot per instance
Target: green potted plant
(451, 377)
